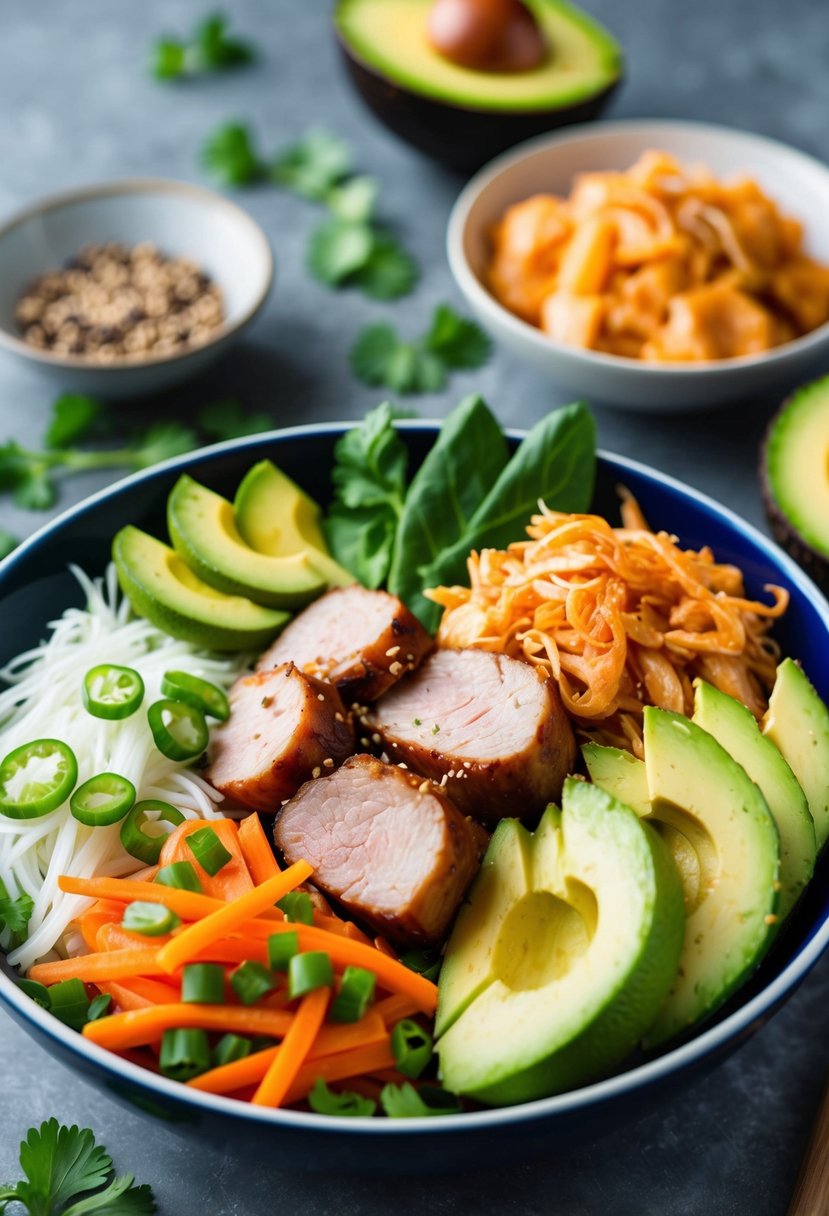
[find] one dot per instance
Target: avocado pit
(487, 35)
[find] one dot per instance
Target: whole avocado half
(462, 117)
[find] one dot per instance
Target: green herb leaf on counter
(379, 357)
(161, 442)
(406, 1102)
(210, 49)
(355, 199)
(8, 543)
(390, 272)
(338, 250)
(61, 1166)
(313, 166)
(228, 420)
(230, 154)
(73, 417)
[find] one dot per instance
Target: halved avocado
(162, 588)
(795, 478)
(797, 723)
(461, 116)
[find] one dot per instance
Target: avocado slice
(276, 518)
(162, 587)
(698, 789)
(203, 530)
(795, 478)
(563, 953)
(797, 723)
(735, 727)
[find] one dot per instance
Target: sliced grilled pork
(484, 724)
(390, 847)
(361, 641)
(284, 727)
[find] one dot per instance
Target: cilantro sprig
(210, 48)
(381, 358)
(68, 1174)
(15, 914)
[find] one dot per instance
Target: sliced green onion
(102, 800)
(203, 984)
(184, 1054)
(411, 1047)
(229, 1048)
(251, 981)
(406, 1102)
(179, 874)
(424, 962)
(325, 1102)
(99, 1007)
(112, 692)
(36, 778)
(135, 838)
(355, 995)
(151, 920)
(208, 850)
(281, 949)
(201, 694)
(309, 971)
(180, 732)
(297, 907)
(69, 1003)
(39, 993)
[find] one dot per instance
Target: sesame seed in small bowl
(129, 287)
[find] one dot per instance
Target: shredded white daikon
(43, 700)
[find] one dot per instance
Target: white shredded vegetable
(43, 700)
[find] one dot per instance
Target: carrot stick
(137, 1027)
(124, 997)
(90, 923)
(234, 877)
(256, 851)
(90, 968)
(293, 1050)
(392, 1008)
(365, 1060)
(189, 905)
(331, 1041)
(229, 917)
(114, 937)
(159, 992)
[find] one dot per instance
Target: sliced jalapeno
(135, 838)
(201, 694)
(180, 731)
(36, 778)
(102, 800)
(112, 692)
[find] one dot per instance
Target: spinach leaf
(556, 462)
(454, 479)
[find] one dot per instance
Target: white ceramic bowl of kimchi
(686, 298)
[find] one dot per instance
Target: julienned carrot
(185, 945)
(365, 1060)
(107, 965)
(294, 1049)
(256, 851)
(124, 997)
(113, 937)
(91, 922)
(233, 879)
(162, 991)
(392, 1008)
(331, 1041)
(137, 1027)
(187, 904)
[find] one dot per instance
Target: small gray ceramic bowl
(183, 221)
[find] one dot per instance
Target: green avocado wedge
(203, 530)
(797, 723)
(735, 727)
(161, 587)
(562, 955)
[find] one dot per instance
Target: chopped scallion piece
(112, 692)
(281, 949)
(297, 907)
(184, 1054)
(36, 777)
(251, 981)
(180, 731)
(308, 971)
(200, 694)
(99, 1007)
(179, 874)
(203, 984)
(39, 993)
(208, 850)
(135, 837)
(411, 1047)
(325, 1102)
(229, 1048)
(102, 800)
(355, 995)
(151, 920)
(424, 962)
(69, 1003)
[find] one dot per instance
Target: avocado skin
(460, 138)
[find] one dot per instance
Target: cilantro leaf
(326, 1101)
(60, 1163)
(73, 416)
(354, 200)
(230, 154)
(406, 1102)
(338, 249)
(459, 342)
(8, 543)
(167, 60)
(379, 357)
(161, 442)
(389, 272)
(120, 1198)
(313, 166)
(215, 50)
(227, 420)
(35, 491)
(15, 913)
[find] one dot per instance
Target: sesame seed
(395, 667)
(328, 763)
(423, 788)
(392, 651)
(410, 658)
(375, 738)
(316, 772)
(320, 696)
(402, 765)
(364, 742)
(466, 764)
(451, 773)
(443, 780)
(338, 717)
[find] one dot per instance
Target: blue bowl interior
(35, 586)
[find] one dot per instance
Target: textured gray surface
(76, 106)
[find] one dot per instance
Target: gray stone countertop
(77, 106)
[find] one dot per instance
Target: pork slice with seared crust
(361, 641)
(284, 727)
(388, 846)
(486, 725)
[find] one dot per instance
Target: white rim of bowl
(471, 285)
(133, 186)
(709, 1042)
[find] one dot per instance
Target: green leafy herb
(326, 1102)
(8, 543)
(406, 1102)
(73, 416)
(230, 154)
(68, 1174)
(338, 250)
(390, 272)
(314, 166)
(369, 479)
(354, 200)
(379, 357)
(462, 467)
(228, 420)
(15, 913)
(210, 49)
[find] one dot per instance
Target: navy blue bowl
(35, 586)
